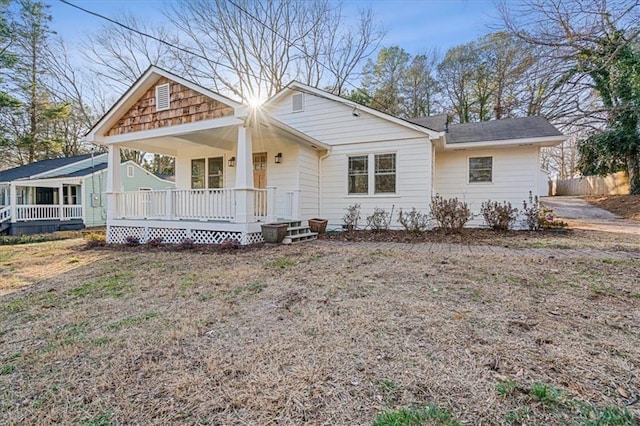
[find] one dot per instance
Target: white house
(64, 193)
(305, 153)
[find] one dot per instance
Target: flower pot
(318, 225)
(274, 233)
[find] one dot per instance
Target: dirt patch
(627, 206)
(321, 334)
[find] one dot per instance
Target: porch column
(13, 200)
(272, 215)
(61, 202)
(244, 177)
(114, 181)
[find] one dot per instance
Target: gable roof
(39, 167)
(436, 122)
(297, 86)
(141, 85)
(504, 129)
(84, 172)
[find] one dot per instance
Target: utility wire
(159, 40)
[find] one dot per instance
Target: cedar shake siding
(186, 106)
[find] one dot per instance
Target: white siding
(515, 173)
(333, 123)
(309, 182)
(413, 180)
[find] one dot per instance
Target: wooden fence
(615, 184)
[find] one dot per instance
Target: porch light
(279, 158)
(231, 162)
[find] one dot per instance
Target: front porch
(31, 207)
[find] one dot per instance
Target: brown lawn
(627, 206)
(320, 333)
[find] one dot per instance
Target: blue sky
(414, 25)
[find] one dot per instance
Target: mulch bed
(468, 236)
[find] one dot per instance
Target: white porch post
(272, 215)
(295, 208)
(61, 202)
(13, 199)
(114, 181)
(244, 177)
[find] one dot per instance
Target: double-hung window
(372, 174)
(207, 173)
(480, 169)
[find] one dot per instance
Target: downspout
(320, 182)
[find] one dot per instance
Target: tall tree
(384, 78)
(420, 89)
(252, 48)
(457, 74)
(30, 134)
(597, 41)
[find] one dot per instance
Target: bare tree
(251, 49)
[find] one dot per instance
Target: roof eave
(543, 141)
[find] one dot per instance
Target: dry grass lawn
(318, 333)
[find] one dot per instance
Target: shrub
(450, 214)
(95, 239)
(379, 220)
(531, 212)
(155, 242)
(186, 244)
(413, 220)
(547, 220)
(499, 216)
(132, 241)
(352, 217)
(229, 244)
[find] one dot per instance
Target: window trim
(371, 175)
(206, 171)
(484, 182)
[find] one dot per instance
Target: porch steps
(297, 233)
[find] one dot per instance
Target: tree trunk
(633, 171)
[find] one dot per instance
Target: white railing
(260, 204)
(5, 213)
(142, 204)
(28, 212)
(192, 204)
(204, 204)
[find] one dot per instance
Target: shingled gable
(136, 110)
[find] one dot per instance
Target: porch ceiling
(222, 137)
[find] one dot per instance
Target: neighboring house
(305, 153)
(64, 193)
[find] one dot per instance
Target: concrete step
(298, 238)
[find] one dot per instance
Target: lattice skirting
(119, 235)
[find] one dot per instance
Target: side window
(385, 173)
(480, 169)
(359, 174)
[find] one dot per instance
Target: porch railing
(29, 212)
(204, 204)
(191, 204)
(5, 213)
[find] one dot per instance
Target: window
(359, 175)
(207, 173)
(130, 171)
(297, 102)
(480, 169)
(215, 172)
(385, 174)
(162, 97)
(197, 173)
(377, 171)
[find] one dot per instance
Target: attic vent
(297, 102)
(162, 97)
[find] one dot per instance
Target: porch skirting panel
(117, 234)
